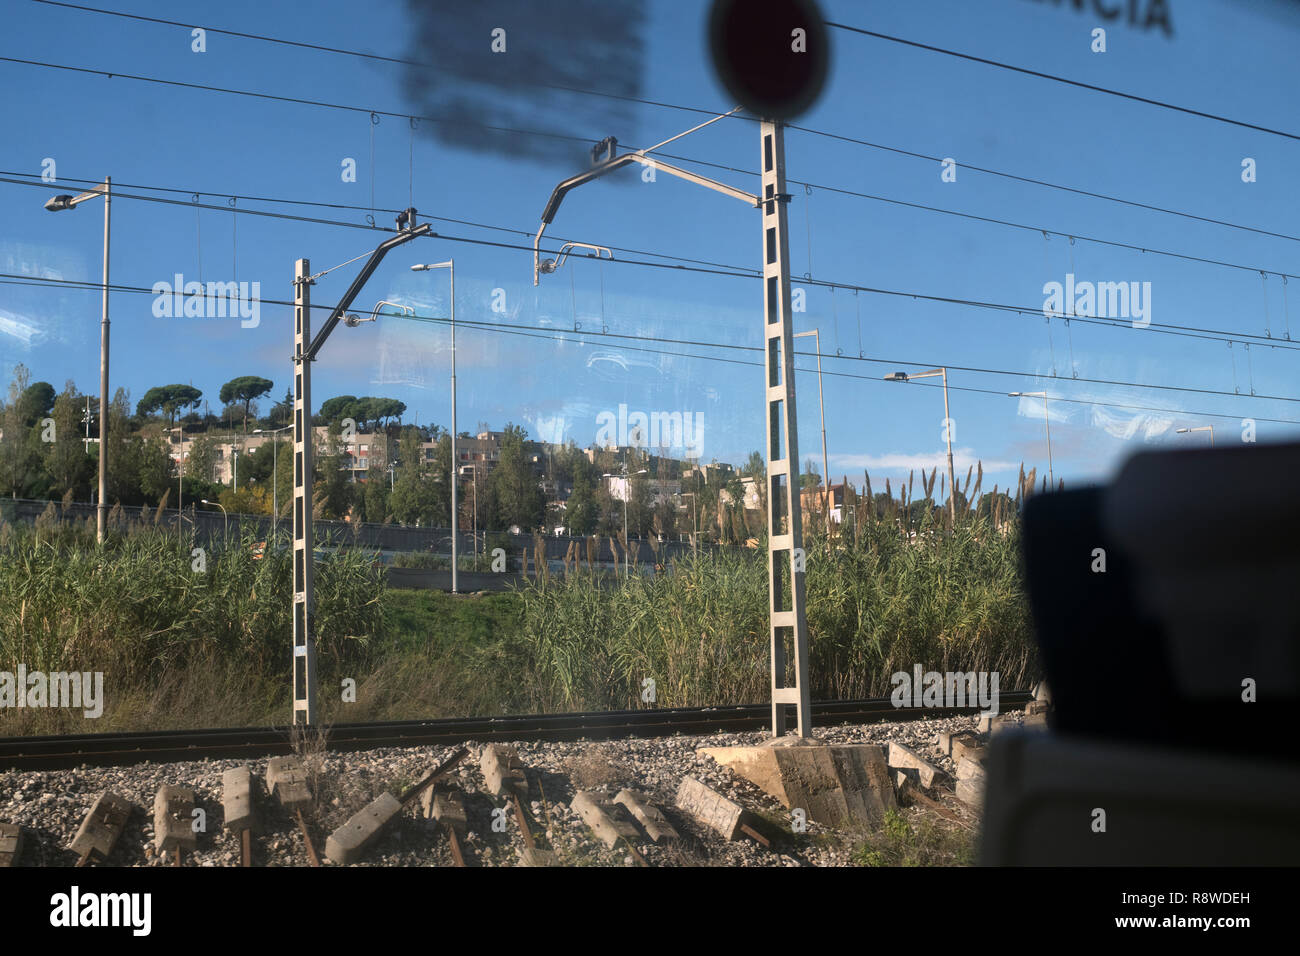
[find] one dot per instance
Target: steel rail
(168, 746)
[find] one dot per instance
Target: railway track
(61, 752)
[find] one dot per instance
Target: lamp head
(896, 377)
(59, 203)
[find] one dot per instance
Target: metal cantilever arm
(573, 182)
(696, 178)
(358, 283)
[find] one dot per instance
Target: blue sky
(1234, 59)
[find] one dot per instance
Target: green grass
(417, 619)
(915, 841)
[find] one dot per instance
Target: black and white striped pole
(788, 623)
(305, 348)
(304, 647)
(773, 57)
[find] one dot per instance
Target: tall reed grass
(138, 606)
(906, 587)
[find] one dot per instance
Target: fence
(380, 537)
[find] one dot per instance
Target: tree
(20, 459)
(153, 464)
(388, 408)
(375, 500)
(582, 513)
(66, 459)
(640, 512)
(665, 516)
(245, 389)
(201, 462)
(123, 484)
(37, 401)
(517, 496)
(333, 490)
(337, 408)
(809, 477)
(282, 411)
(169, 399)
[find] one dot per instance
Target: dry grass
(916, 838)
(599, 767)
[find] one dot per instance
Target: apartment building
(813, 501)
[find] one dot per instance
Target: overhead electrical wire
(359, 54)
(569, 337)
(588, 140)
(1184, 331)
(1079, 84)
(90, 285)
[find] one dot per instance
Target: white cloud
(17, 327)
(962, 460)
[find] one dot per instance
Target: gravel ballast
(50, 805)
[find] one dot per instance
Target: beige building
(361, 453)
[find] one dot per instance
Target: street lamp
(947, 428)
(825, 467)
(225, 515)
(59, 204)
(450, 266)
(275, 471)
(1051, 479)
(475, 525)
(180, 483)
(695, 521)
(627, 493)
(1199, 428)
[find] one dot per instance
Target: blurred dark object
(771, 56)
(564, 70)
(1152, 664)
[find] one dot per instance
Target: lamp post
(826, 495)
(1199, 428)
(1051, 479)
(450, 266)
(275, 471)
(627, 493)
(224, 514)
(59, 204)
(180, 484)
(947, 428)
(695, 520)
